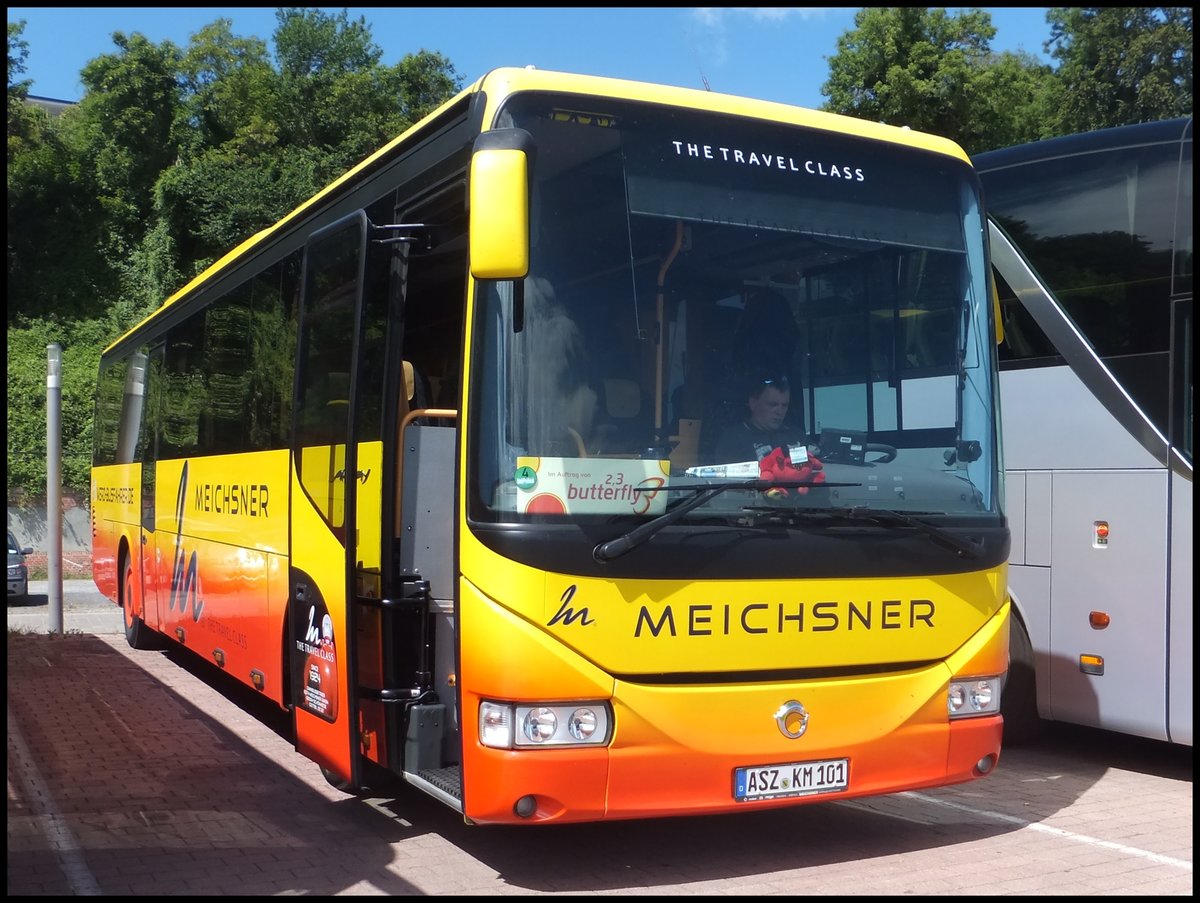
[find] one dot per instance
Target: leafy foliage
(174, 156)
(935, 71)
(23, 120)
(27, 403)
(1120, 65)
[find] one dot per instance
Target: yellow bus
(436, 462)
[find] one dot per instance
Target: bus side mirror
(499, 204)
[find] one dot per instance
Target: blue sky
(778, 54)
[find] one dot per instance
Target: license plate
(771, 782)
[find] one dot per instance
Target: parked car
(18, 573)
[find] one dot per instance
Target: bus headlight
(973, 696)
(506, 726)
(582, 725)
(539, 725)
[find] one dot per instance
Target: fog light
(525, 807)
(984, 765)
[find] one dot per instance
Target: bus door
(415, 706)
(142, 395)
(324, 496)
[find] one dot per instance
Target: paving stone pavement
(132, 773)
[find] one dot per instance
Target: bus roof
(1157, 132)
(506, 81)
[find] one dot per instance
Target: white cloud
(707, 33)
(715, 16)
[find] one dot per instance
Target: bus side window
(1023, 338)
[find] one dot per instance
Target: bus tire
(1018, 705)
(337, 782)
(137, 634)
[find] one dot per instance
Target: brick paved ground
(129, 775)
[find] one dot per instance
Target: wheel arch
(1019, 702)
(123, 555)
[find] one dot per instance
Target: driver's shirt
(746, 442)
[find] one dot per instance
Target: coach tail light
(503, 725)
(971, 696)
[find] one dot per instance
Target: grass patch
(69, 571)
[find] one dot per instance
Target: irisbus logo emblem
(792, 719)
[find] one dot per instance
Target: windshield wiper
(965, 548)
(705, 492)
(885, 517)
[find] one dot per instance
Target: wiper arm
(964, 547)
(614, 548)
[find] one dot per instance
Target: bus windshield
(688, 272)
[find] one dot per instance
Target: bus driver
(764, 429)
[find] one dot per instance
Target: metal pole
(54, 533)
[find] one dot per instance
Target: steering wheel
(887, 451)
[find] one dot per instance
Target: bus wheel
(137, 634)
(1018, 705)
(337, 782)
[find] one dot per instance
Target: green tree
(22, 118)
(130, 103)
(55, 263)
(335, 93)
(934, 71)
(229, 92)
(330, 78)
(260, 139)
(1119, 65)
(172, 158)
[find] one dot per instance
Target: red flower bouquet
(777, 467)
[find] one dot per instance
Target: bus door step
(444, 784)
